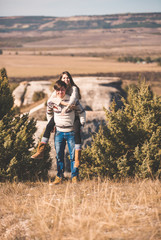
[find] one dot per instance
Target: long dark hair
(72, 83)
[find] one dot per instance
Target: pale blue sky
(63, 8)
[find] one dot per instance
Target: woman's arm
(74, 96)
(64, 103)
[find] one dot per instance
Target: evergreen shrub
(16, 141)
(6, 99)
(129, 145)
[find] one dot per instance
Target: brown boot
(57, 180)
(74, 179)
(77, 158)
(40, 151)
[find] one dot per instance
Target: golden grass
(35, 66)
(88, 210)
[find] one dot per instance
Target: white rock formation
(19, 93)
(98, 92)
(24, 92)
(36, 86)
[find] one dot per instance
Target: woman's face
(66, 79)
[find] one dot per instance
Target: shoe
(57, 180)
(40, 151)
(74, 179)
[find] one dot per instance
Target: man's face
(61, 92)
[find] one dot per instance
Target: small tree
(16, 140)
(130, 143)
(6, 99)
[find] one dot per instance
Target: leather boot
(77, 158)
(40, 151)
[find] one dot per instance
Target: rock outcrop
(23, 94)
(19, 93)
(97, 92)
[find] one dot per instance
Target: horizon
(82, 15)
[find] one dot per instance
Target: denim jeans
(60, 141)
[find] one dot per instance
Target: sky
(66, 8)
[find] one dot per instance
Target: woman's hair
(72, 83)
(59, 84)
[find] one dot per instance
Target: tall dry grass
(88, 210)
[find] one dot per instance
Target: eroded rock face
(19, 94)
(97, 92)
(23, 94)
(36, 86)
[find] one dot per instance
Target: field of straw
(88, 210)
(39, 66)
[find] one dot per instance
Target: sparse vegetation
(139, 59)
(38, 96)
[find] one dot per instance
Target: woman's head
(67, 78)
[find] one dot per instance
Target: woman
(74, 92)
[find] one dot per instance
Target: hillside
(79, 30)
(147, 20)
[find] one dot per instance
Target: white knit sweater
(64, 122)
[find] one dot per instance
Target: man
(64, 123)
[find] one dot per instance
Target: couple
(67, 115)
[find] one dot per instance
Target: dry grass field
(28, 66)
(89, 210)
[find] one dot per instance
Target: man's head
(60, 88)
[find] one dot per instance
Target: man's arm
(51, 105)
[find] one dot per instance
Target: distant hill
(42, 24)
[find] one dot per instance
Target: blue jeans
(60, 141)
